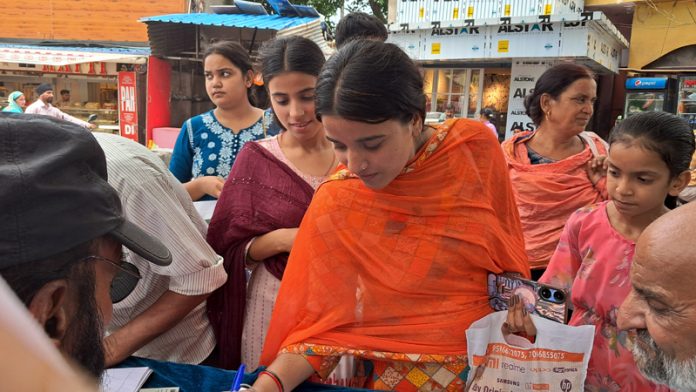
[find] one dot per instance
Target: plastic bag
(556, 361)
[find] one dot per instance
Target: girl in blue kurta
(209, 143)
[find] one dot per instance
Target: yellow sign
(507, 9)
(503, 46)
(470, 12)
(422, 12)
(548, 9)
(455, 13)
(435, 49)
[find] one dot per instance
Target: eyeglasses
(125, 280)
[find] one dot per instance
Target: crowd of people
(351, 242)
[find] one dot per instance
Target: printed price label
(455, 13)
(470, 12)
(435, 48)
(503, 46)
(548, 8)
(421, 12)
(507, 9)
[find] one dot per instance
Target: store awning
(67, 55)
(182, 35)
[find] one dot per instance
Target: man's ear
(48, 308)
(679, 183)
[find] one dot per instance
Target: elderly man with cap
(661, 307)
(62, 232)
(43, 105)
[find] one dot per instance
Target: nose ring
(363, 166)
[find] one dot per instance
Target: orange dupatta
(548, 193)
(403, 269)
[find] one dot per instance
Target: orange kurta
(403, 269)
(548, 193)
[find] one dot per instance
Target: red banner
(127, 105)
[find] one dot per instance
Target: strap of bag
(590, 141)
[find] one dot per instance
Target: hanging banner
(524, 74)
(127, 105)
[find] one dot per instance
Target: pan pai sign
(127, 105)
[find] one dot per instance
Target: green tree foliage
(377, 8)
(329, 8)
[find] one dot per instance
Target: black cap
(54, 193)
(43, 87)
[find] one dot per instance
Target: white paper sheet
(124, 379)
(205, 208)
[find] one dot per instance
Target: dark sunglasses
(125, 280)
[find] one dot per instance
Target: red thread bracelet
(275, 379)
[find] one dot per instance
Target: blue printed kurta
(205, 147)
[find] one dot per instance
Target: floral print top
(592, 262)
(205, 147)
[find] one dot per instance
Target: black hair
(64, 91)
(237, 55)
(488, 114)
(553, 82)
(290, 54)
(371, 82)
(664, 133)
(359, 25)
(26, 279)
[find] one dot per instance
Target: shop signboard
(539, 39)
(417, 11)
(410, 41)
(590, 36)
(523, 77)
(127, 105)
(453, 43)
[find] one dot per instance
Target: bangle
(275, 379)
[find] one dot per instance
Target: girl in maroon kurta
(264, 199)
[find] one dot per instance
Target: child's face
(638, 180)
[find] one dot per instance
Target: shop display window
(686, 106)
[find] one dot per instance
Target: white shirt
(154, 200)
(39, 107)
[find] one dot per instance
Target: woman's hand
(287, 238)
(207, 185)
(518, 320)
(271, 244)
(597, 168)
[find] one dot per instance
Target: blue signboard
(646, 83)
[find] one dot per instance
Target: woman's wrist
(273, 377)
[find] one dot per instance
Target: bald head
(661, 306)
(669, 242)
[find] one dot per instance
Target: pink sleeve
(566, 260)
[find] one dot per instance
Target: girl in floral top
(209, 143)
(648, 167)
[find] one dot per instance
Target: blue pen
(238, 378)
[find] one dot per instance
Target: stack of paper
(124, 379)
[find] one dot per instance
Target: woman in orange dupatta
(391, 260)
(558, 168)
